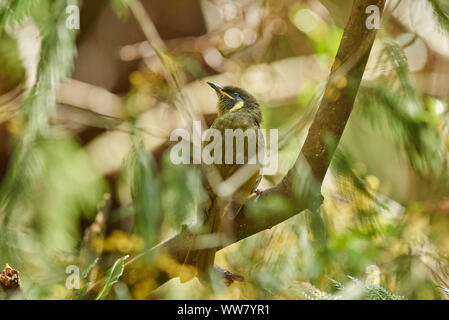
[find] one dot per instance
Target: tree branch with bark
(301, 186)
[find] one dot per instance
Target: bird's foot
(227, 276)
(258, 192)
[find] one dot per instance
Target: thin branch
(172, 74)
(301, 186)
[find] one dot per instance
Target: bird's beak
(219, 89)
(215, 86)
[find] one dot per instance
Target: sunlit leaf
(112, 276)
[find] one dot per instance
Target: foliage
(84, 276)
(441, 10)
(112, 276)
(49, 194)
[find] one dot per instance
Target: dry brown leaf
(9, 278)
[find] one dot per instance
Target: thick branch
(301, 186)
(341, 89)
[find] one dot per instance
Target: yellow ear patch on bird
(226, 94)
(237, 106)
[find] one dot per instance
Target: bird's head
(232, 99)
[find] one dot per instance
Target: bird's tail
(206, 257)
(203, 259)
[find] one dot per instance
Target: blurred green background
(85, 117)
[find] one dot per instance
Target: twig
(314, 160)
(171, 73)
(302, 184)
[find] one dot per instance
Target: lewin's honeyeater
(237, 109)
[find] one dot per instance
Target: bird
(237, 109)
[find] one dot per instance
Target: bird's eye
(236, 95)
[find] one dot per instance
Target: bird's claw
(227, 276)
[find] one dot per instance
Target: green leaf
(82, 292)
(89, 269)
(143, 178)
(112, 276)
(120, 8)
(445, 290)
(441, 11)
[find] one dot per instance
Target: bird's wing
(250, 173)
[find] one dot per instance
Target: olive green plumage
(237, 109)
